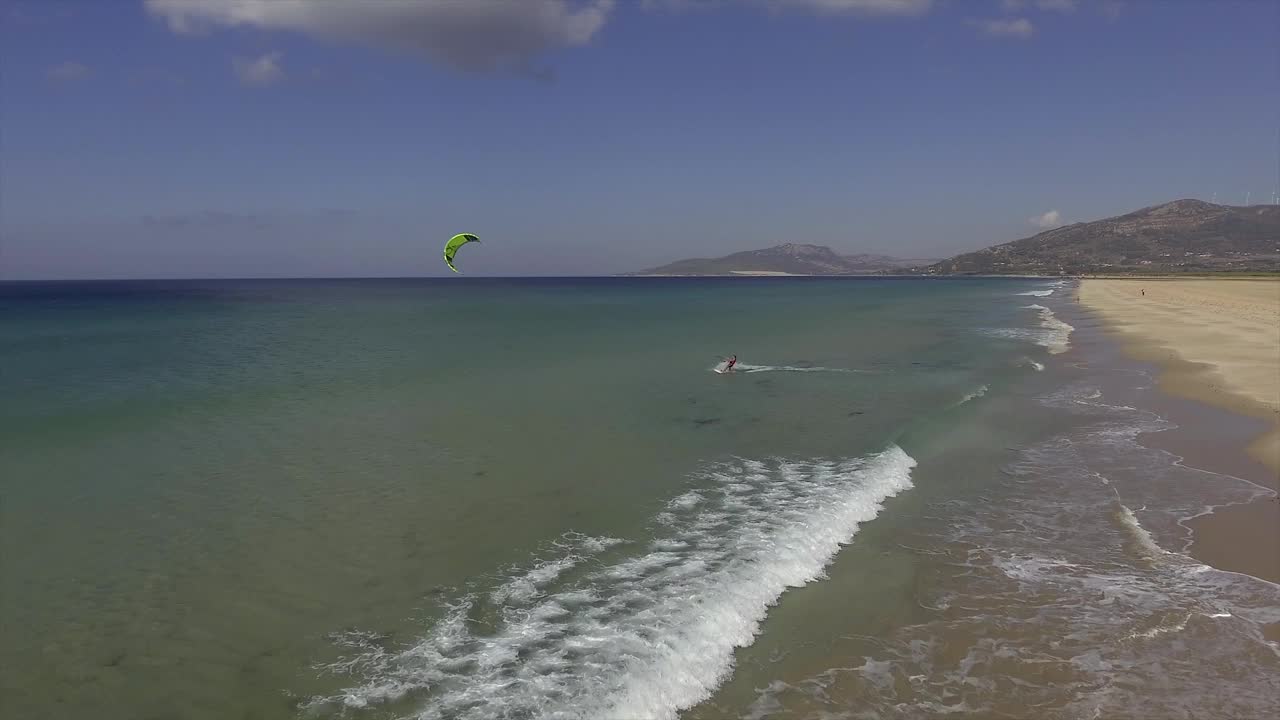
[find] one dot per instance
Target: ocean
(533, 498)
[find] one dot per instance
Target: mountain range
(1179, 236)
(787, 259)
(1175, 237)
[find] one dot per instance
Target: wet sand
(1217, 343)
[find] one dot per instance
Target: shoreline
(1214, 348)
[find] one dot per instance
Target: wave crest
(643, 633)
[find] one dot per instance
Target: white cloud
(1057, 5)
(67, 72)
(475, 35)
(1051, 219)
(1013, 27)
(1065, 6)
(259, 72)
(867, 7)
(864, 7)
(679, 5)
(1112, 9)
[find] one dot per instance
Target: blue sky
(215, 138)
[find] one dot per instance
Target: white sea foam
(640, 635)
(1036, 336)
(1039, 367)
(1141, 538)
(686, 500)
(1161, 627)
(1058, 335)
(1053, 334)
(526, 586)
(1037, 293)
(1056, 597)
(972, 395)
(746, 368)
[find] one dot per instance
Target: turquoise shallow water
(514, 498)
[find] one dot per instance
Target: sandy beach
(1217, 342)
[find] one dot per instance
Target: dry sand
(1217, 342)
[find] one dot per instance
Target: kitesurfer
(732, 361)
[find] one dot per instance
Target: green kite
(455, 242)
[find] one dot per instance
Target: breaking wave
(1053, 334)
(1142, 541)
(607, 629)
(1058, 332)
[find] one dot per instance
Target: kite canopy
(455, 242)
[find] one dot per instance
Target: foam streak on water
(747, 368)
(973, 395)
(621, 632)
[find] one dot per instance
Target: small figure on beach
(1143, 291)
